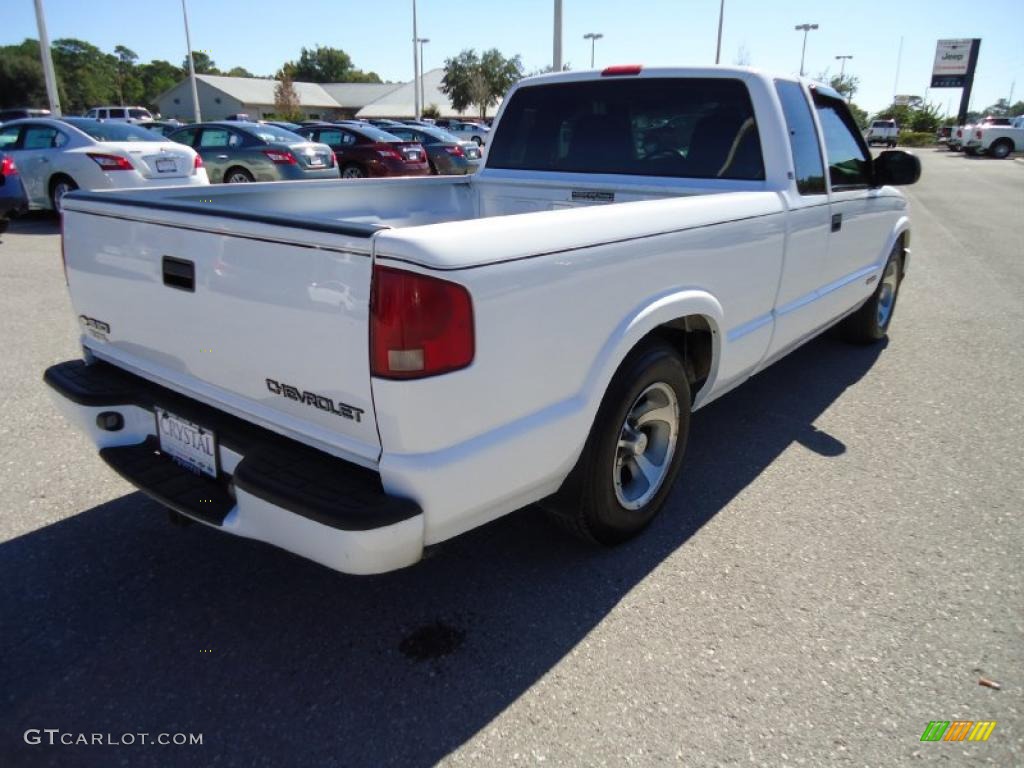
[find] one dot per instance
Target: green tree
(239, 72)
(86, 77)
(479, 80)
(326, 65)
(21, 76)
(157, 77)
(203, 63)
(129, 85)
(432, 111)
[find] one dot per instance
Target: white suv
(123, 114)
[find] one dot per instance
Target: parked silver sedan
(237, 152)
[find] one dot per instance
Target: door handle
(837, 222)
(222, 157)
(179, 273)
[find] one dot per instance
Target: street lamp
(842, 65)
(721, 18)
(415, 65)
(593, 37)
(191, 67)
(805, 28)
(423, 94)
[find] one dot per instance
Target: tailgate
(266, 322)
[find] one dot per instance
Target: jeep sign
(953, 62)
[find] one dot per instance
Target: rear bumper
(268, 488)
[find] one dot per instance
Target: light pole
(423, 93)
(415, 65)
(842, 65)
(593, 37)
(191, 66)
(805, 28)
(556, 51)
(721, 18)
(47, 61)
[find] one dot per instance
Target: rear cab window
(675, 127)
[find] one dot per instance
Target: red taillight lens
(387, 151)
(621, 69)
(197, 163)
(419, 326)
(111, 162)
(7, 167)
(977, 134)
(280, 157)
(456, 150)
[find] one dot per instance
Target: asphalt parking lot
(840, 565)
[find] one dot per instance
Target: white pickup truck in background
(354, 370)
(996, 140)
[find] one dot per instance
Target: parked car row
(996, 137)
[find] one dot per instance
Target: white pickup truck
(354, 370)
(996, 140)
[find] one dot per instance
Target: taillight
(280, 157)
(7, 167)
(111, 162)
(197, 163)
(385, 151)
(419, 325)
(977, 134)
(621, 69)
(456, 150)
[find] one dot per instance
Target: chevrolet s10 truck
(353, 370)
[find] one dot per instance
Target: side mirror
(897, 167)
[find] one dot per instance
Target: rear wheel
(633, 453)
(1001, 149)
(352, 171)
(871, 322)
(59, 187)
(237, 175)
(479, 142)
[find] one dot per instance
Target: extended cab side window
(803, 138)
(849, 164)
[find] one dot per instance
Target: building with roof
(220, 96)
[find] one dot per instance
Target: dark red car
(367, 151)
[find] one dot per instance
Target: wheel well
(235, 168)
(1005, 140)
(55, 178)
(692, 337)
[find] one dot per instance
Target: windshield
(271, 133)
(111, 131)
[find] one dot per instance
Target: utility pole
(556, 52)
(721, 17)
(415, 64)
(805, 28)
(593, 37)
(899, 60)
(47, 61)
(191, 66)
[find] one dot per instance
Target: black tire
(478, 140)
(867, 325)
(237, 175)
(1000, 149)
(588, 503)
(60, 185)
(353, 171)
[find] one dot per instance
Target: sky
(260, 35)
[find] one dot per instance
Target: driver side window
(849, 164)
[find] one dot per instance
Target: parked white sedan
(474, 132)
(58, 156)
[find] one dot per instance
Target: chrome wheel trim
(238, 178)
(352, 173)
(646, 445)
(887, 292)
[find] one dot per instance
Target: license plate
(412, 155)
(316, 160)
(166, 165)
(188, 444)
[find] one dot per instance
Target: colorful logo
(958, 730)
